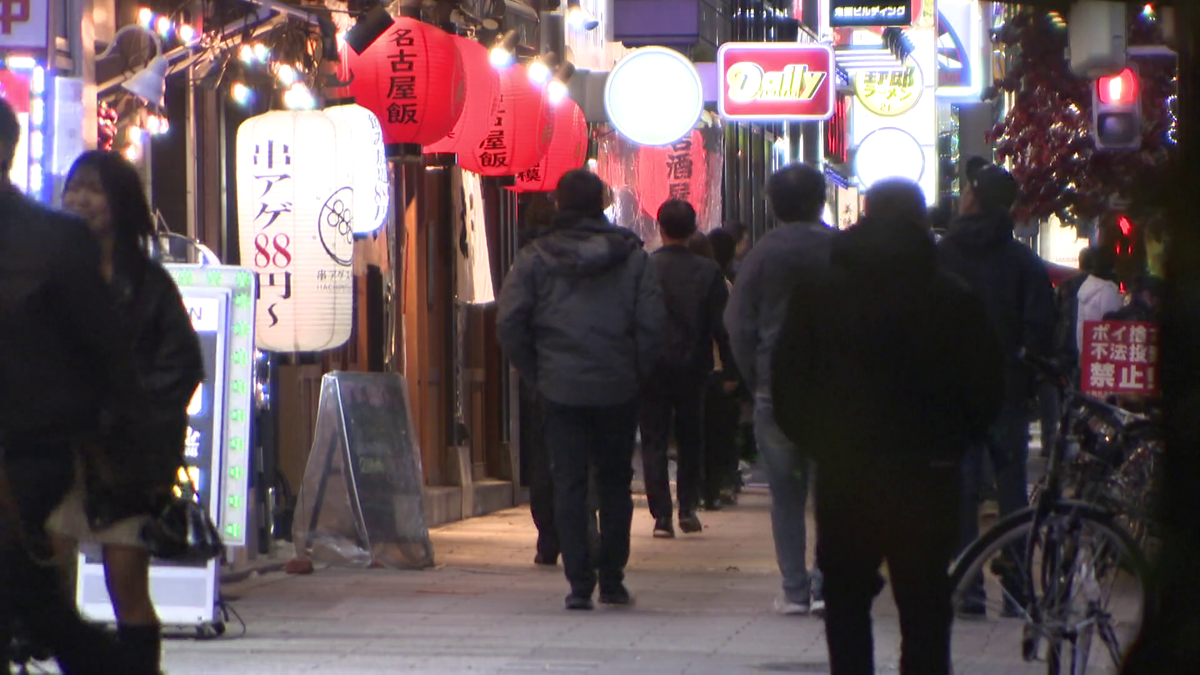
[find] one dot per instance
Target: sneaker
(816, 596)
(788, 608)
(663, 529)
(617, 596)
(579, 602)
(689, 523)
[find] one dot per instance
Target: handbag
(181, 529)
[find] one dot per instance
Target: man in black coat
(65, 368)
(1013, 283)
(580, 316)
(694, 294)
(886, 370)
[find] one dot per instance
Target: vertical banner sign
(1120, 357)
(776, 81)
(863, 13)
(675, 171)
(24, 24)
(296, 203)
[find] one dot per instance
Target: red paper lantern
(568, 150)
(518, 133)
(411, 77)
(483, 82)
(676, 171)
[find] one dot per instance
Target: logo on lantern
(775, 81)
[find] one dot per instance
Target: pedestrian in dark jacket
(694, 295)
(755, 314)
(127, 477)
(1013, 283)
(887, 369)
(66, 373)
(581, 316)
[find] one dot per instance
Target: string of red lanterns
(483, 85)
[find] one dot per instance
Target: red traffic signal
(1119, 89)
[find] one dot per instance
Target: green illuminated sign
(242, 300)
(244, 279)
(233, 530)
(237, 444)
(214, 278)
(235, 501)
(238, 386)
(235, 472)
(240, 357)
(241, 329)
(238, 415)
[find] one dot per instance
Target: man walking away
(888, 369)
(755, 313)
(581, 317)
(694, 295)
(64, 366)
(1015, 287)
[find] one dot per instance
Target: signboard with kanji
(1119, 357)
(24, 24)
(843, 13)
(891, 92)
(776, 81)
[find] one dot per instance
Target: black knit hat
(995, 189)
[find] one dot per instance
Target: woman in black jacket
(133, 468)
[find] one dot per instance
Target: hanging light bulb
(261, 52)
(299, 97)
(504, 53)
(241, 93)
(163, 26)
(145, 17)
(579, 17)
(541, 70)
(246, 54)
(286, 74)
(187, 34)
(557, 91)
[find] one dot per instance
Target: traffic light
(1117, 111)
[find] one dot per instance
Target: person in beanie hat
(1013, 283)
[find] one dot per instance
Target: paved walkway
(703, 607)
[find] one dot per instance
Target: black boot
(143, 644)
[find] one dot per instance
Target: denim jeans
(788, 474)
(1007, 448)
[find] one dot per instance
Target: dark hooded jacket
(884, 357)
(1013, 283)
(65, 362)
(581, 312)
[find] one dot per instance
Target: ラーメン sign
(892, 92)
(775, 81)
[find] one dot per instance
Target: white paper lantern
(295, 192)
(371, 189)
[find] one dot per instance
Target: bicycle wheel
(1090, 585)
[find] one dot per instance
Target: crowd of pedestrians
(877, 364)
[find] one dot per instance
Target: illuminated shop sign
(851, 13)
(24, 24)
(654, 96)
(775, 81)
(23, 85)
(890, 93)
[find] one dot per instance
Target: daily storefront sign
(775, 81)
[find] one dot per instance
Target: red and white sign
(24, 24)
(1120, 357)
(776, 81)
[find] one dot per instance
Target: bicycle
(1055, 565)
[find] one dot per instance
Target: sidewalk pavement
(703, 607)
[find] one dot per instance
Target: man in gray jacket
(581, 316)
(754, 316)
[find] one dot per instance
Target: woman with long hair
(129, 472)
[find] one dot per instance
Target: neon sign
(775, 81)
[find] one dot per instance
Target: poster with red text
(1120, 357)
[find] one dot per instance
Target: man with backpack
(694, 294)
